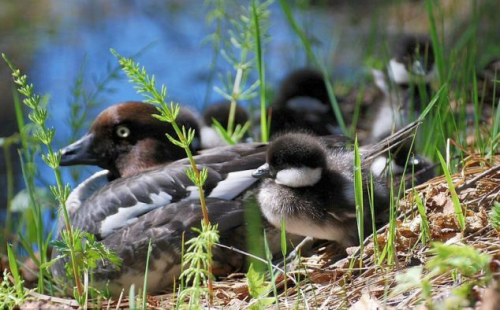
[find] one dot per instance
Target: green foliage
(145, 285)
(258, 289)
(10, 296)
(463, 260)
(358, 196)
(454, 197)
(242, 48)
(15, 272)
(197, 262)
(45, 135)
(424, 226)
(494, 216)
(88, 252)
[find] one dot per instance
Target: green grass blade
(262, 77)
(358, 195)
(145, 285)
(454, 197)
(14, 269)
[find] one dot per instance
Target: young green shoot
(424, 225)
(454, 196)
(146, 85)
(358, 198)
(146, 272)
(494, 216)
(46, 135)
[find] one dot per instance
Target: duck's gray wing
(123, 200)
(165, 228)
(391, 143)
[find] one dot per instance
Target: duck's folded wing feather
(165, 228)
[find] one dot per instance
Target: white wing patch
(298, 177)
(128, 215)
(233, 185)
(85, 189)
(194, 193)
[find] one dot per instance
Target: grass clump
(242, 49)
(81, 248)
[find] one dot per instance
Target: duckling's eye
(122, 131)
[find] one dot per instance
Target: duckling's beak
(262, 172)
(79, 153)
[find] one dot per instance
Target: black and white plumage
(210, 138)
(311, 186)
(162, 203)
(302, 102)
(406, 85)
(150, 197)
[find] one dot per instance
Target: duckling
(220, 112)
(303, 103)
(406, 86)
(311, 186)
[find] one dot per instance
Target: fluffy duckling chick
(126, 139)
(303, 103)
(406, 86)
(311, 187)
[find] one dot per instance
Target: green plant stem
(264, 131)
(10, 189)
(45, 135)
(146, 86)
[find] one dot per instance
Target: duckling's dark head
(220, 112)
(125, 139)
(413, 54)
(294, 160)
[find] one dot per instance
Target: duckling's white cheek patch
(128, 215)
(398, 72)
(298, 177)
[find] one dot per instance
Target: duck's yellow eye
(122, 131)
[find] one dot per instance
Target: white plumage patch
(381, 164)
(128, 215)
(233, 185)
(194, 193)
(210, 138)
(398, 72)
(85, 189)
(298, 177)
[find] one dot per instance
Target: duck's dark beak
(262, 172)
(79, 153)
